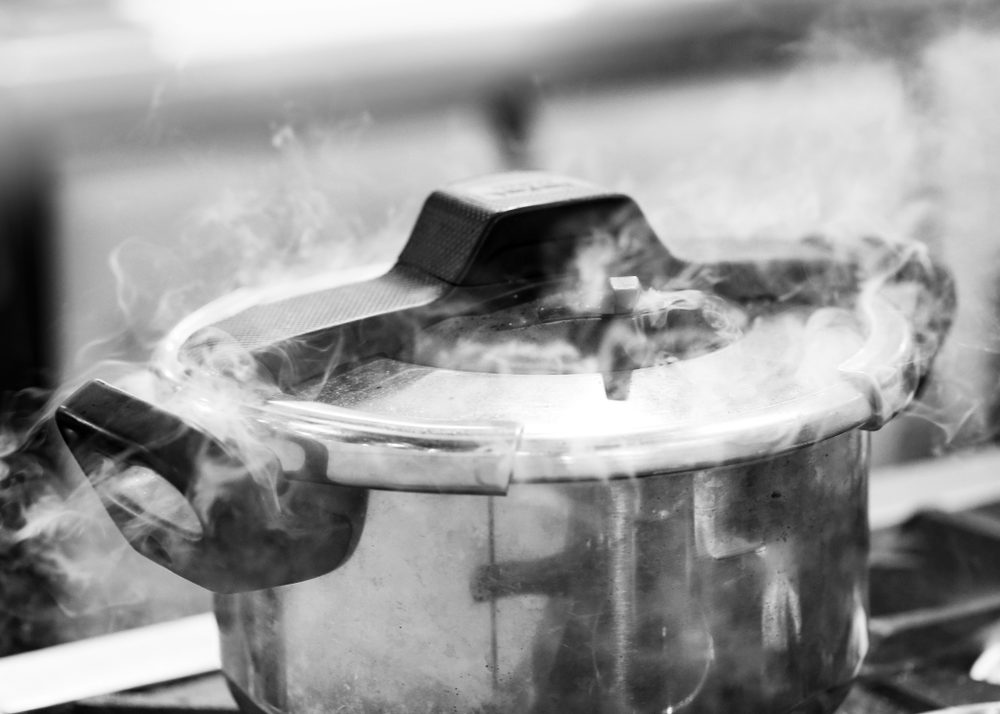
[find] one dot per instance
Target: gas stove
(935, 599)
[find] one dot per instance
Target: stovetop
(934, 594)
(935, 602)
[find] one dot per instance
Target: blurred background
(156, 155)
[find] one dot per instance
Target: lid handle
(520, 226)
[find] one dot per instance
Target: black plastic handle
(251, 528)
(525, 226)
(475, 243)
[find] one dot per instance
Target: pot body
(738, 588)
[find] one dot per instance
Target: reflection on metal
(592, 596)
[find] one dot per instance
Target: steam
(65, 571)
(533, 345)
(275, 228)
(289, 229)
(878, 129)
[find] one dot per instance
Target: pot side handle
(186, 501)
(895, 365)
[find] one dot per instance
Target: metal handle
(249, 530)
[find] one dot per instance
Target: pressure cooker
(540, 464)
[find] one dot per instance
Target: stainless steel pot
(655, 502)
(740, 588)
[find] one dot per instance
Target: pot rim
(380, 450)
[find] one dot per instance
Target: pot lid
(534, 328)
